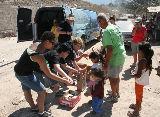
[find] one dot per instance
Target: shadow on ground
(128, 50)
(23, 112)
(82, 109)
(107, 108)
(127, 73)
(158, 71)
(51, 100)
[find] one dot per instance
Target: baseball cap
(138, 20)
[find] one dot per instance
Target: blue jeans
(31, 82)
(96, 104)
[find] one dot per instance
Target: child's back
(98, 89)
(144, 78)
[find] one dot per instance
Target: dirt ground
(12, 102)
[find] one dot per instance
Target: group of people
(56, 60)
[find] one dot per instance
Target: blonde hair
(79, 41)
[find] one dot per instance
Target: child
(97, 89)
(97, 60)
(141, 75)
(76, 54)
(78, 46)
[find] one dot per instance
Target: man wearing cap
(139, 34)
(65, 29)
(115, 56)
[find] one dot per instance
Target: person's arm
(108, 44)
(100, 35)
(76, 65)
(141, 66)
(108, 56)
(60, 71)
(43, 66)
(145, 34)
(79, 57)
(69, 68)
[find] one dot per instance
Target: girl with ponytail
(142, 73)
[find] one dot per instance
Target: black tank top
(25, 65)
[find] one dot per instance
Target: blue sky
(100, 1)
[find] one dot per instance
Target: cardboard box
(81, 82)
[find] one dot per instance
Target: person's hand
(82, 71)
(69, 80)
(85, 55)
(99, 38)
(87, 93)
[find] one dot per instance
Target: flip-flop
(59, 93)
(133, 114)
(74, 93)
(133, 106)
(35, 109)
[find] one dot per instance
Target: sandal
(113, 99)
(59, 93)
(133, 106)
(35, 109)
(44, 114)
(133, 114)
(74, 93)
(89, 102)
(109, 92)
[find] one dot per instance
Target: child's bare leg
(138, 106)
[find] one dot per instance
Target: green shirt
(112, 36)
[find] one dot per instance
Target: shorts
(114, 71)
(47, 82)
(135, 47)
(31, 82)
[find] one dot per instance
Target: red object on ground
(70, 101)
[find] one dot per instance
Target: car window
(93, 18)
(80, 16)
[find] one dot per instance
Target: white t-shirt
(144, 79)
